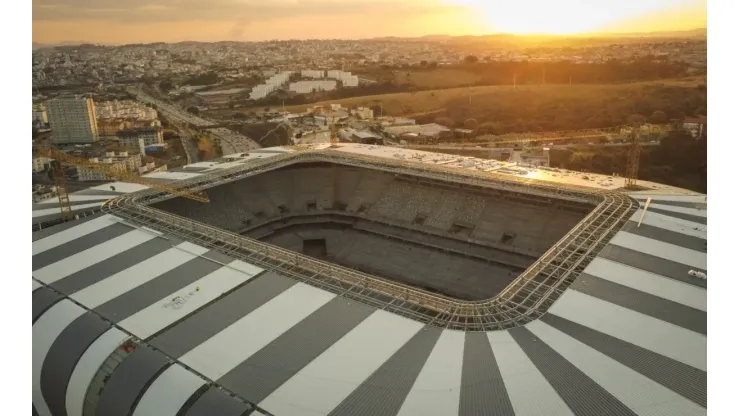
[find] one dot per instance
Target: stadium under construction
(365, 280)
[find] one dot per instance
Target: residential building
(130, 137)
(363, 113)
(40, 119)
(122, 161)
(72, 120)
(270, 85)
(39, 163)
(42, 193)
(305, 87)
(350, 81)
(109, 128)
(260, 91)
(696, 126)
(126, 109)
(312, 73)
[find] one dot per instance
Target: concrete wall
(453, 274)
(479, 219)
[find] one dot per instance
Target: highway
(188, 144)
(231, 142)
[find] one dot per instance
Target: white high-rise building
(305, 87)
(312, 73)
(350, 81)
(72, 120)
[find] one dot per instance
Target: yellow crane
(113, 172)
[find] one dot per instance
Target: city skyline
(106, 22)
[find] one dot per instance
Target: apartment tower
(72, 120)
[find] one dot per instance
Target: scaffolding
(523, 300)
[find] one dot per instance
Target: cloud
(241, 11)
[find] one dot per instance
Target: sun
(562, 17)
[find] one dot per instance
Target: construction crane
(60, 182)
(333, 139)
(113, 172)
(633, 158)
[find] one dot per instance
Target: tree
(658, 117)
(471, 59)
(423, 64)
(471, 124)
(376, 110)
(444, 121)
(166, 85)
(636, 119)
(193, 110)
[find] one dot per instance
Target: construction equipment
(113, 172)
(333, 135)
(633, 158)
(60, 182)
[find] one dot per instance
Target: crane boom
(60, 182)
(115, 172)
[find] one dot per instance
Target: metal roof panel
(653, 334)
(199, 327)
(331, 377)
(88, 366)
(182, 302)
(168, 392)
(136, 275)
(59, 238)
(530, 393)
(46, 329)
(437, 388)
(671, 252)
(642, 395)
(225, 350)
(72, 264)
(651, 283)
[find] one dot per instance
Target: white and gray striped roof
(223, 337)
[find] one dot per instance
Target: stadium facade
(141, 309)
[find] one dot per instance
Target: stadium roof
(220, 335)
(89, 200)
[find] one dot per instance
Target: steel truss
(523, 300)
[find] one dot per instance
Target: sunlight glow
(563, 16)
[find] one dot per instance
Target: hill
(536, 107)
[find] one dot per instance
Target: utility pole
(514, 81)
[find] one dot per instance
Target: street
(231, 142)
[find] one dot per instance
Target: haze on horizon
(143, 21)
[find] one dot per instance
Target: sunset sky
(133, 21)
